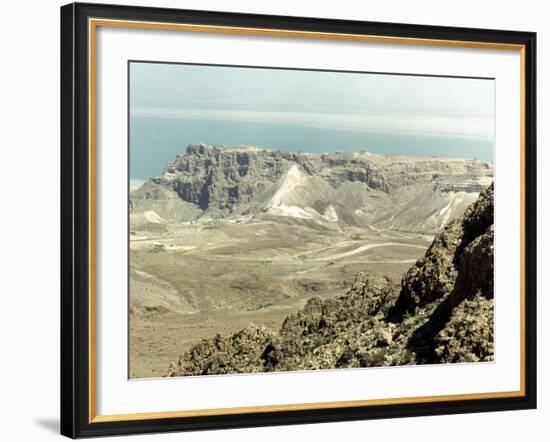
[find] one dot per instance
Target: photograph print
(288, 219)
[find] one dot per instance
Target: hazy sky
(345, 102)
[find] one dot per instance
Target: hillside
(441, 312)
(325, 191)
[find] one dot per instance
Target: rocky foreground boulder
(441, 313)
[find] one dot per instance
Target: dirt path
(366, 247)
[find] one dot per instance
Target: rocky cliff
(362, 189)
(441, 312)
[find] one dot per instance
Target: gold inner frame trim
(93, 24)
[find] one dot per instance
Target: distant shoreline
(156, 140)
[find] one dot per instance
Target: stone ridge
(441, 313)
(230, 180)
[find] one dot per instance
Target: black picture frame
(75, 220)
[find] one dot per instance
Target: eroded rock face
(469, 287)
(441, 312)
(393, 192)
(434, 275)
(461, 255)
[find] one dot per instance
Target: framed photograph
(273, 220)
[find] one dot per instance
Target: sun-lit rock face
(362, 189)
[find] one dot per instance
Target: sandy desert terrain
(194, 280)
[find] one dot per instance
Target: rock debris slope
(358, 189)
(442, 312)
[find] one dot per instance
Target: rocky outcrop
(218, 178)
(459, 260)
(469, 267)
(222, 355)
(393, 192)
(324, 334)
(468, 334)
(441, 312)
